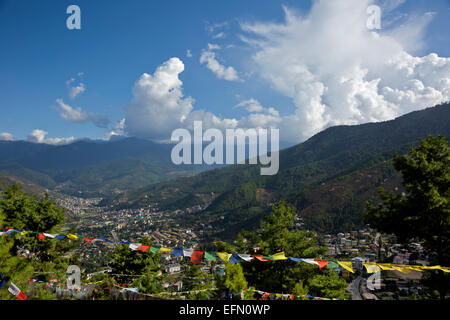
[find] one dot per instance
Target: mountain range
(327, 178)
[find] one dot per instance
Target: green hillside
(354, 160)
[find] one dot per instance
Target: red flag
(259, 257)
(322, 263)
(143, 248)
(88, 239)
(22, 296)
(41, 236)
(196, 256)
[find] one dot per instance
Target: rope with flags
(197, 256)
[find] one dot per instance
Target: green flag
(210, 256)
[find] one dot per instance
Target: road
(354, 289)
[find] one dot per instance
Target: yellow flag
(372, 268)
(164, 249)
(23, 233)
(72, 236)
(223, 255)
(347, 265)
(279, 256)
(386, 266)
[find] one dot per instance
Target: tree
(422, 212)
(233, 281)
(277, 234)
(125, 261)
(23, 256)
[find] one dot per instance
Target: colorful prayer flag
(196, 256)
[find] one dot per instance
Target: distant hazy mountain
(92, 168)
(328, 177)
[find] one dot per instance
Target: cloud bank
(336, 71)
(333, 68)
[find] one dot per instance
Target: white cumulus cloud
(38, 136)
(6, 136)
(77, 115)
(159, 105)
(208, 57)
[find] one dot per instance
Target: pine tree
(277, 234)
(23, 256)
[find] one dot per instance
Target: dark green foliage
(23, 256)
(276, 234)
(423, 211)
(201, 283)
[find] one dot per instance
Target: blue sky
(119, 41)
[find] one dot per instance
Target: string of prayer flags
(196, 256)
(17, 292)
(371, 267)
(347, 265)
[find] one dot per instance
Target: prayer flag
(322, 263)
(143, 248)
(259, 257)
(17, 292)
(134, 246)
(60, 236)
(41, 236)
(154, 249)
(72, 236)
(177, 252)
(279, 256)
(49, 235)
(187, 252)
(210, 256)
(310, 261)
(234, 258)
(196, 256)
(245, 257)
(332, 265)
(165, 249)
(372, 268)
(295, 259)
(88, 239)
(224, 256)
